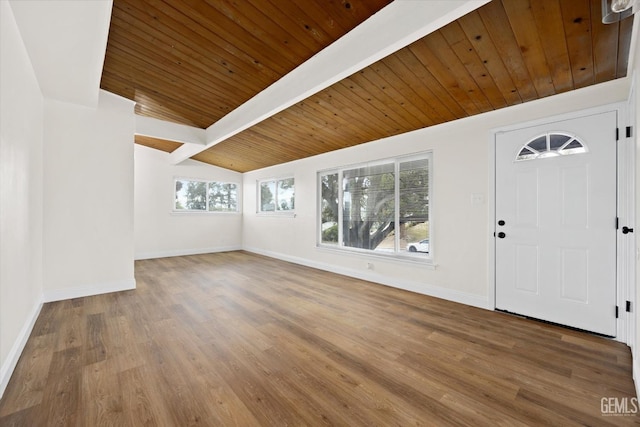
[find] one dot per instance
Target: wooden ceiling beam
(222, 65)
(404, 23)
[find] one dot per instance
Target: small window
(551, 145)
(276, 195)
(205, 196)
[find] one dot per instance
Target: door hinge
(617, 311)
(617, 223)
(629, 131)
(617, 134)
(628, 307)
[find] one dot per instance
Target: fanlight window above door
(551, 144)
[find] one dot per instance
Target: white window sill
(287, 214)
(181, 213)
(417, 260)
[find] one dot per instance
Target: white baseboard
(636, 372)
(185, 252)
(413, 286)
(89, 290)
(18, 346)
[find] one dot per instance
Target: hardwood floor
(236, 339)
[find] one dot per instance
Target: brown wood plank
(197, 343)
(148, 100)
(351, 102)
(480, 39)
(227, 51)
(226, 35)
(194, 61)
(393, 73)
(497, 24)
(431, 61)
(368, 86)
(191, 96)
(523, 25)
(157, 143)
(550, 27)
(464, 50)
(263, 30)
(432, 90)
(185, 45)
(189, 67)
(459, 73)
(343, 124)
(604, 36)
(577, 28)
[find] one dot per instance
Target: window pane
(267, 196)
(369, 206)
(223, 197)
(191, 195)
(557, 140)
(329, 208)
(539, 144)
(180, 195)
(286, 194)
(414, 206)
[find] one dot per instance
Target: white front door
(556, 222)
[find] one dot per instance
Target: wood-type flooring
(238, 339)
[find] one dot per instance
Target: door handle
(626, 230)
(501, 235)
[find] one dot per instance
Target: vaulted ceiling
(193, 62)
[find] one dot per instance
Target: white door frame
(626, 200)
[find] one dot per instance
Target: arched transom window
(551, 144)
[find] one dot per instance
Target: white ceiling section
(394, 27)
(66, 41)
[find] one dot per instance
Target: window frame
(563, 150)
(206, 211)
(422, 258)
(277, 211)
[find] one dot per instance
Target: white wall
(88, 197)
(159, 232)
(462, 232)
(21, 107)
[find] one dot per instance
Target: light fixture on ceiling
(616, 10)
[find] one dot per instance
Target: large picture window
(205, 196)
(382, 207)
(276, 195)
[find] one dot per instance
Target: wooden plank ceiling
(192, 62)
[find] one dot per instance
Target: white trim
(177, 178)
(626, 214)
(89, 290)
(403, 22)
(18, 346)
(155, 128)
(636, 369)
(276, 211)
(417, 260)
(407, 285)
(396, 161)
(491, 222)
(185, 252)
